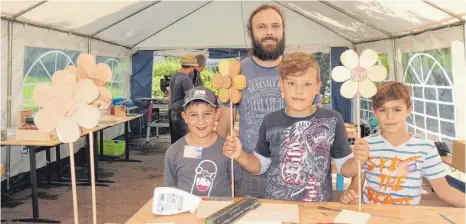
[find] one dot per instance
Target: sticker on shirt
(204, 178)
(193, 152)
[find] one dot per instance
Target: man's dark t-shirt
(179, 84)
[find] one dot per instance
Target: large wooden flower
(99, 73)
(229, 81)
(359, 73)
(65, 106)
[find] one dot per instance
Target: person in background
(180, 83)
(196, 75)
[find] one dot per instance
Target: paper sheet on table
(265, 213)
(352, 217)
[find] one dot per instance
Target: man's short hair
(262, 8)
(391, 90)
(201, 60)
(297, 64)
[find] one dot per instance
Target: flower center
(358, 74)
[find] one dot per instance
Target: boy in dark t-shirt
(195, 163)
(296, 144)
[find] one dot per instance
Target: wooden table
(38, 146)
(309, 213)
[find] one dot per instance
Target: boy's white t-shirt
(399, 181)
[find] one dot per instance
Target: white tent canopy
(113, 30)
(166, 24)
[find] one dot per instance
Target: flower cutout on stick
(66, 106)
(229, 81)
(99, 73)
(359, 73)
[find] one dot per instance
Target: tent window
(118, 66)
(429, 75)
(39, 66)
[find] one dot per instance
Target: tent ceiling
(164, 24)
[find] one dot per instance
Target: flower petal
(341, 73)
(368, 58)
(68, 130)
(101, 74)
(377, 73)
(85, 92)
(87, 116)
(235, 95)
(234, 68)
(86, 63)
(217, 81)
(239, 81)
(350, 59)
(224, 95)
(223, 67)
(43, 95)
(367, 88)
(46, 120)
(74, 71)
(349, 89)
(63, 78)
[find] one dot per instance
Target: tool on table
(339, 210)
(233, 211)
(446, 218)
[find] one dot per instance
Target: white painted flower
(359, 73)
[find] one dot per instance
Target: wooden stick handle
(73, 184)
(358, 117)
(231, 161)
(91, 156)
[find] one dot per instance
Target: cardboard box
(22, 115)
(458, 154)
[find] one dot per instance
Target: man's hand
(232, 147)
(361, 150)
(349, 197)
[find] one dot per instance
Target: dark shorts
(177, 125)
(250, 185)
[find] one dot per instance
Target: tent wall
(438, 98)
(34, 50)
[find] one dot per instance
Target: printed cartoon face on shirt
(204, 178)
(305, 154)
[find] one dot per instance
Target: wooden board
(266, 212)
(309, 213)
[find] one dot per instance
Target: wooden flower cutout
(100, 74)
(359, 73)
(66, 106)
(229, 81)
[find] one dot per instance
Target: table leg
(47, 166)
(57, 158)
(35, 198)
(101, 144)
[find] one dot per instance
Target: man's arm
(223, 125)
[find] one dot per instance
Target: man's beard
(268, 54)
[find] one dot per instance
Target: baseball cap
(188, 60)
(200, 93)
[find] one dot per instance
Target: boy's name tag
(194, 152)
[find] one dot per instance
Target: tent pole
(89, 46)
(394, 58)
(8, 99)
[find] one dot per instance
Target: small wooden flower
(229, 81)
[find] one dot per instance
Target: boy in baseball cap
(195, 163)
